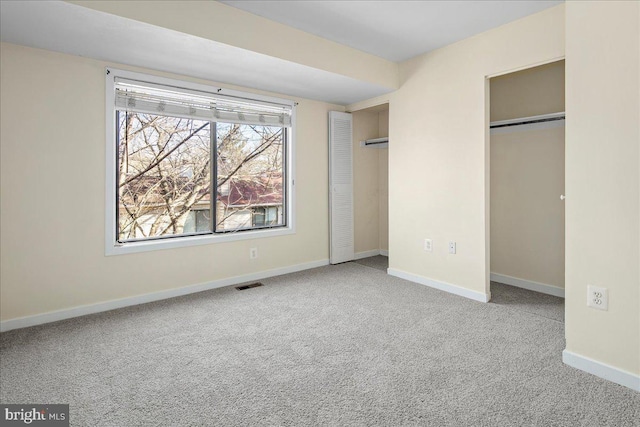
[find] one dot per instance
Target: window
(266, 216)
(191, 164)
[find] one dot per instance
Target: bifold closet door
(340, 188)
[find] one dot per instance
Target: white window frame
(112, 246)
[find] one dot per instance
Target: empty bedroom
(301, 213)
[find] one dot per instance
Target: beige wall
(527, 178)
(370, 181)
(603, 182)
(225, 24)
(527, 215)
(438, 164)
(365, 183)
(530, 92)
(383, 183)
(52, 184)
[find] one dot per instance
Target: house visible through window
(196, 163)
(197, 221)
(266, 216)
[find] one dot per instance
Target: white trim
(111, 163)
(528, 284)
(366, 254)
(111, 245)
(602, 370)
(447, 287)
(181, 242)
(525, 67)
(54, 316)
(373, 252)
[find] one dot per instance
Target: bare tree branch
(164, 156)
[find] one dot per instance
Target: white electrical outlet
(428, 245)
(597, 297)
(452, 247)
(253, 253)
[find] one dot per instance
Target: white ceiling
(76, 30)
(394, 30)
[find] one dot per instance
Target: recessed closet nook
(527, 179)
(371, 181)
(359, 184)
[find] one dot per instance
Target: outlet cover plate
(428, 245)
(597, 297)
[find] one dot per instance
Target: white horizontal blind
(152, 98)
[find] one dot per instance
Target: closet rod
(384, 141)
(528, 120)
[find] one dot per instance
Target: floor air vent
(253, 285)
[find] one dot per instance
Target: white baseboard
(367, 254)
(602, 370)
(54, 316)
(447, 287)
(528, 284)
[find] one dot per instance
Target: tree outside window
(179, 176)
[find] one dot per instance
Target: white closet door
(340, 187)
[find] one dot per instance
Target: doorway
(371, 186)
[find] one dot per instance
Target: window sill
(181, 242)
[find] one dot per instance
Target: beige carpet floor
(343, 345)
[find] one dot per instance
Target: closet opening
(371, 186)
(527, 170)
